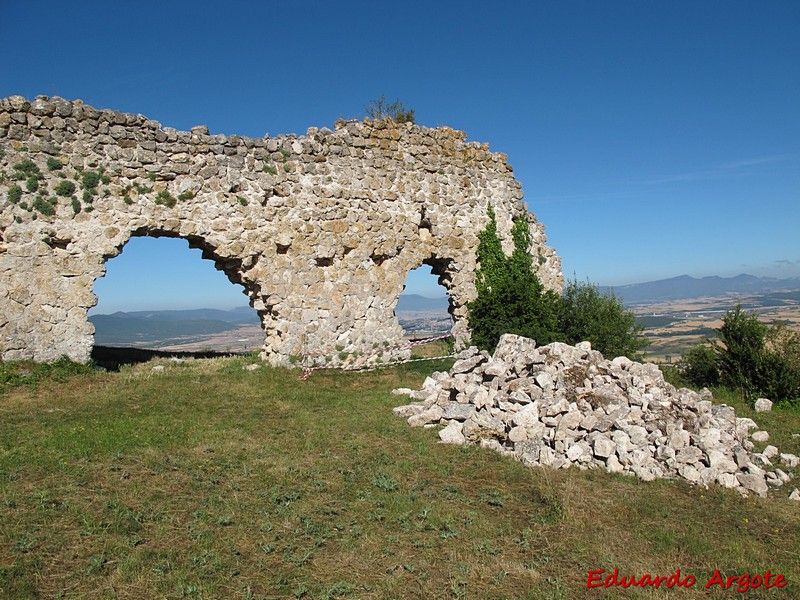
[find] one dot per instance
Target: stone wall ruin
(321, 230)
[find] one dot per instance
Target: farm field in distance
(674, 326)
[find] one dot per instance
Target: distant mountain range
(122, 328)
(150, 326)
(417, 303)
(686, 287)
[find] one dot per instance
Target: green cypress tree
(511, 299)
(490, 256)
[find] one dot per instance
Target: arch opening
(425, 306)
(159, 294)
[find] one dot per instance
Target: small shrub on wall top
(381, 109)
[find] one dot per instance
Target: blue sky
(652, 139)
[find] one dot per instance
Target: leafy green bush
(14, 194)
(65, 188)
(53, 164)
(514, 305)
(701, 366)
(586, 314)
(76, 205)
(752, 357)
(743, 340)
(511, 299)
(32, 183)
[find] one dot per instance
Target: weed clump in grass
(16, 373)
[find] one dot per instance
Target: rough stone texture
(320, 229)
(561, 406)
(763, 405)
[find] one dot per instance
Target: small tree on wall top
(381, 109)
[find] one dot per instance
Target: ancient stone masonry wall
(320, 229)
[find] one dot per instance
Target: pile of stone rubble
(561, 406)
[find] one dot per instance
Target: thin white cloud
(736, 168)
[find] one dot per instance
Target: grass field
(209, 481)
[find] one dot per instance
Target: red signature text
(599, 578)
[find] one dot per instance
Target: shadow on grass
(111, 359)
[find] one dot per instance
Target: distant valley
(239, 329)
(681, 312)
(686, 287)
(677, 313)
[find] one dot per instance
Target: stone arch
(231, 267)
(441, 268)
(321, 229)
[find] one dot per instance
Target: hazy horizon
(443, 294)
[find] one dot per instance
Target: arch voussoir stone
(320, 229)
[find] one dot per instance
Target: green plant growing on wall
(381, 109)
(511, 299)
(32, 183)
(187, 195)
(164, 198)
(44, 206)
(53, 164)
(65, 188)
(14, 194)
(27, 168)
(268, 166)
(76, 205)
(89, 181)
